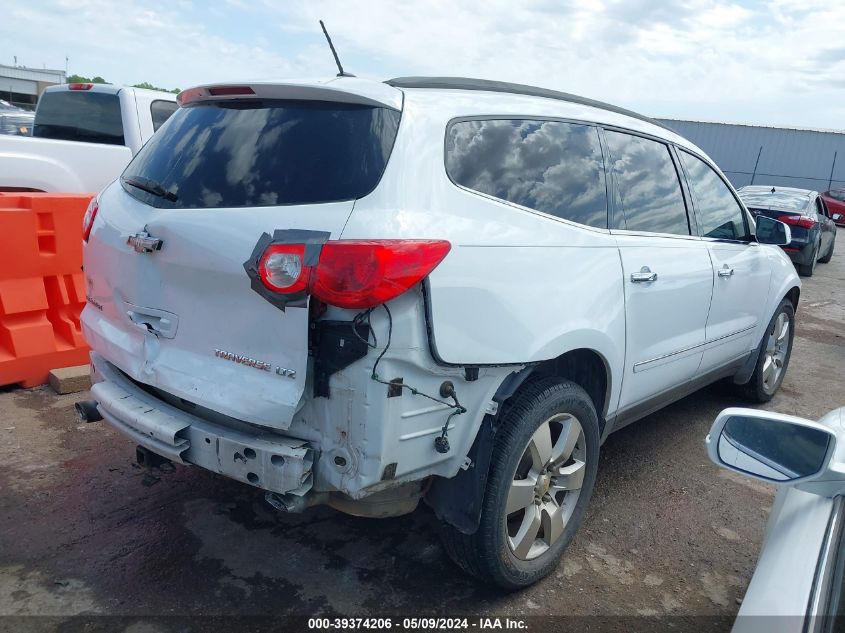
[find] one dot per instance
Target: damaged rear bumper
(264, 460)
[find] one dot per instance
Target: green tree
(79, 79)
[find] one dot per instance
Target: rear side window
(161, 111)
(549, 166)
(249, 153)
(79, 115)
(648, 193)
(719, 214)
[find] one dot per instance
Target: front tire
(542, 473)
(773, 358)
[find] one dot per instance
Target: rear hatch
(217, 176)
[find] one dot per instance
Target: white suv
(365, 294)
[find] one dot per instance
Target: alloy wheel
(545, 486)
(777, 347)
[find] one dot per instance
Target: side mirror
(771, 231)
(836, 217)
(772, 447)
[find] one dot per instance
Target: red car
(835, 200)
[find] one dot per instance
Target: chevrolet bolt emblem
(143, 242)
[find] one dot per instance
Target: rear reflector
(88, 219)
(803, 221)
(354, 274)
(80, 86)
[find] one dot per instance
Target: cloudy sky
(754, 61)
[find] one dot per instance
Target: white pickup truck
(84, 135)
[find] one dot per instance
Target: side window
(161, 111)
(549, 166)
(719, 214)
(821, 208)
(648, 192)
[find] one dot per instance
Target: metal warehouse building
(22, 86)
(761, 155)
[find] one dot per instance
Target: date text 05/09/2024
(423, 624)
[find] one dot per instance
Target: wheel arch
(458, 500)
(744, 374)
(586, 367)
(794, 294)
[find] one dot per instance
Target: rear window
(549, 166)
(92, 117)
(779, 200)
(250, 153)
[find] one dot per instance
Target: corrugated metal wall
(789, 158)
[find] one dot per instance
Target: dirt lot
(83, 530)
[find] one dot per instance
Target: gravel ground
(83, 530)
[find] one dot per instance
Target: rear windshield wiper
(151, 186)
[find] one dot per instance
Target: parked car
(813, 231)
(15, 120)
(835, 201)
(799, 582)
(85, 134)
(364, 294)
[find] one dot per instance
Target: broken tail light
(354, 274)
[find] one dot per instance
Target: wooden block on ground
(71, 379)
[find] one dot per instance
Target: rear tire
(826, 258)
(542, 473)
(773, 357)
(806, 270)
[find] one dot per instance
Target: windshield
(248, 153)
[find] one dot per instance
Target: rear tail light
(80, 86)
(803, 221)
(88, 219)
(354, 274)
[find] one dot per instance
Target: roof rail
(464, 83)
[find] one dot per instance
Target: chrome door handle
(726, 272)
(643, 276)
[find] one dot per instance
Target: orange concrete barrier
(42, 288)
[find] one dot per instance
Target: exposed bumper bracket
(264, 460)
